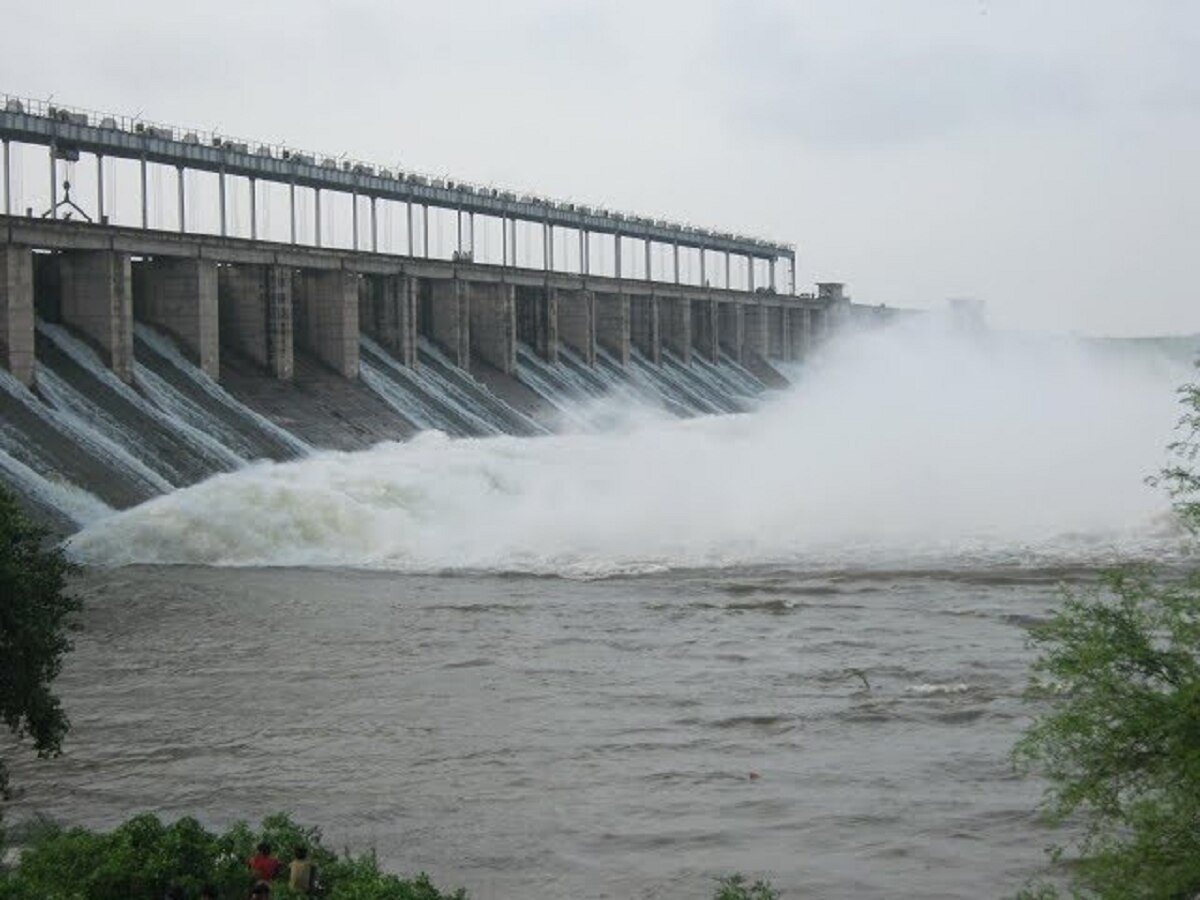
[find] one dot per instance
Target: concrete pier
(493, 312)
(731, 329)
(675, 320)
(387, 313)
(180, 297)
(577, 322)
(612, 325)
(775, 319)
(97, 301)
(756, 342)
(537, 320)
(16, 312)
(256, 317)
(450, 319)
(706, 330)
(644, 331)
(326, 317)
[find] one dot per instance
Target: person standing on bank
(302, 872)
(264, 866)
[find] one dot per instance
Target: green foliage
(35, 614)
(735, 887)
(1119, 741)
(1118, 677)
(1180, 479)
(143, 858)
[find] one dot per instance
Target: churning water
(904, 448)
(830, 592)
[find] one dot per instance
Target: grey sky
(1039, 154)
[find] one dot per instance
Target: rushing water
(547, 667)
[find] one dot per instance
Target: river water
(789, 643)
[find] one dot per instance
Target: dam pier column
(326, 308)
(786, 345)
(755, 344)
(732, 329)
(675, 319)
(577, 322)
(255, 315)
(450, 319)
(16, 312)
(705, 329)
(387, 312)
(97, 300)
(180, 297)
(644, 331)
(493, 312)
(612, 325)
(537, 320)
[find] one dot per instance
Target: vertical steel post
(253, 210)
(54, 185)
(221, 193)
(648, 259)
(354, 218)
(99, 188)
(617, 253)
(504, 240)
(317, 216)
(459, 223)
(374, 227)
(292, 207)
(582, 252)
(145, 199)
(514, 243)
(7, 182)
(676, 249)
(182, 218)
(471, 229)
(773, 261)
(549, 255)
(408, 212)
(703, 275)
(792, 269)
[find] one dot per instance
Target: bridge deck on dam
(269, 300)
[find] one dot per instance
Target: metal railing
(138, 124)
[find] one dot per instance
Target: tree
(35, 623)
(1119, 738)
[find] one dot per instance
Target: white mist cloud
(912, 446)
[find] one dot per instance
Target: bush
(1119, 738)
(1119, 741)
(735, 887)
(35, 612)
(143, 858)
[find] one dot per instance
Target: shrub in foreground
(143, 858)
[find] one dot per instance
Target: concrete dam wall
(136, 363)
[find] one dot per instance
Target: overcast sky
(1042, 155)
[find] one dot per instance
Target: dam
(151, 338)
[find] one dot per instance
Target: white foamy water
(911, 446)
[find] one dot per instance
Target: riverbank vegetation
(1117, 680)
(35, 632)
(144, 859)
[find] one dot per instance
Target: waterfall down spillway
(82, 442)
(437, 395)
(83, 426)
(701, 388)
